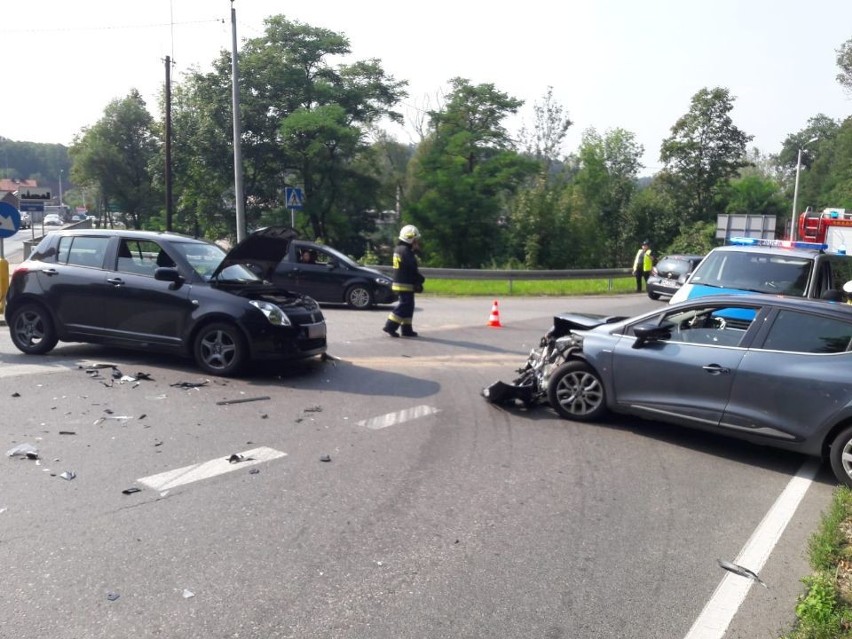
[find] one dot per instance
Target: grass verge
(507, 288)
(825, 610)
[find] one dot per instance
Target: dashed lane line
(399, 417)
(205, 470)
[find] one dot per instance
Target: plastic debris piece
(131, 490)
(23, 450)
(69, 475)
(118, 418)
(188, 594)
(189, 384)
(127, 378)
(116, 374)
(325, 458)
(16, 394)
(144, 376)
(236, 459)
(254, 471)
(142, 416)
(225, 402)
(741, 571)
(112, 596)
(67, 432)
(314, 409)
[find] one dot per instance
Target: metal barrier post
(4, 278)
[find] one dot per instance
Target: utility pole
(239, 196)
(169, 205)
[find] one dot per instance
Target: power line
(114, 27)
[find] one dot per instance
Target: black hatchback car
(164, 292)
(669, 274)
(329, 276)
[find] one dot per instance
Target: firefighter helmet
(409, 233)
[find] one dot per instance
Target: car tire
(841, 456)
(359, 297)
(219, 349)
(31, 329)
(575, 391)
(653, 296)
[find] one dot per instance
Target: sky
(610, 63)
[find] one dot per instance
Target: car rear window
(673, 265)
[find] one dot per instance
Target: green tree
(844, 61)
(704, 151)
(540, 230)
(114, 156)
(304, 123)
(606, 181)
(465, 173)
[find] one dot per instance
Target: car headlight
(275, 315)
(383, 281)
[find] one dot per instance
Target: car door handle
(715, 369)
(116, 281)
(49, 271)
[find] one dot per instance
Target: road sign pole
(292, 218)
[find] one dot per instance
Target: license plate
(316, 331)
(668, 283)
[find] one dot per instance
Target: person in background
(642, 265)
(307, 257)
(407, 281)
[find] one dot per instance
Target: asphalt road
(436, 515)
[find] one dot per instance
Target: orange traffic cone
(494, 320)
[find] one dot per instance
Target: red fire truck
(832, 227)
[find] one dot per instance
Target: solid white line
(392, 419)
(731, 592)
(205, 470)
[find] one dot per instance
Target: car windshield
(758, 272)
(205, 258)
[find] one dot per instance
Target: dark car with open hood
(164, 292)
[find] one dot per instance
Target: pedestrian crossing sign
(293, 197)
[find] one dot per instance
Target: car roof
(769, 250)
(681, 256)
(142, 235)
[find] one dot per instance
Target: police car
(775, 267)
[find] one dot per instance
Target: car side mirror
(168, 274)
(650, 333)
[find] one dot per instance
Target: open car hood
(261, 250)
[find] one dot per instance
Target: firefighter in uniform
(407, 281)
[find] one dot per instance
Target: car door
(794, 379)
(139, 308)
(687, 377)
(72, 281)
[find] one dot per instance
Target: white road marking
(392, 419)
(205, 470)
(40, 368)
(731, 592)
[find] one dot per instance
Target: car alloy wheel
(841, 457)
(220, 349)
(359, 297)
(576, 392)
(32, 330)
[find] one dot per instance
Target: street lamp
(794, 220)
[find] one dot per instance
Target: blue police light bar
(756, 241)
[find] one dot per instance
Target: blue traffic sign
(10, 220)
(293, 197)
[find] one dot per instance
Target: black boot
(390, 328)
(407, 331)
